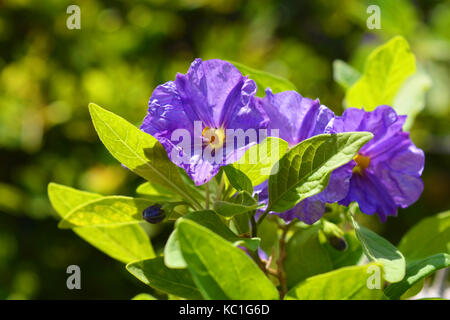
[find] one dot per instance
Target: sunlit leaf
(125, 243)
(378, 249)
(138, 151)
(349, 283)
(387, 67)
(430, 236)
(306, 168)
(417, 271)
(220, 270)
(154, 273)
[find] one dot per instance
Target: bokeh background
(49, 74)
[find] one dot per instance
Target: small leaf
(106, 211)
(124, 242)
(257, 162)
(344, 74)
(349, 283)
(305, 256)
(138, 151)
(305, 169)
(382, 251)
(265, 80)
(155, 274)
(173, 258)
(241, 203)
(387, 67)
(220, 270)
(430, 236)
(415, 272)
(155, 192)
(238, 179)
(144, 296)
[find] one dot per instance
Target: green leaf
(430, 236)
(382, 251)
(106, 211)
(238, 179)
(305, 169)
(241, 203)
(305, 256)
(387, 67)
(410, 99)
(144, 296)
(416, 271)
(265, 80)
(257, 162)
(173, 258)
(345, 74)
(220, 270)
(124, 243)
(349, 283)
(138, 151)
(155, 192)
(155, 274)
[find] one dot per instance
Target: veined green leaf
(241, 203)
(378, 249)
(238, 179)
(305, 169)
(155, 274)
(430, 236)
(124, 242)
(415, 272)
(106, 211)
(387, 67)
(349, 283)
(265, 80)
(138, 151)
(220, 270)
(344, 74)
(258, 161)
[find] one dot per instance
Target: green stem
(261, 218)
(254, 225)
(207, 196)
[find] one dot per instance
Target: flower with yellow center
(362, 162)
(214, 137)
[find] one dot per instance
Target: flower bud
(154, 214)
(334, 235)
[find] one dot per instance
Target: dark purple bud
(338, 243)
(154, 214)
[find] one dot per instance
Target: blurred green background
(49, 74)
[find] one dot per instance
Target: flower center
(214, 137)
(362, 162)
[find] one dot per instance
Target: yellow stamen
(362, 162)
(215, 137)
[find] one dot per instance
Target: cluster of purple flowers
(383, 176)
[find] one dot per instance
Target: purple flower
(206, 103)
(298, 118)
(386, 172)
